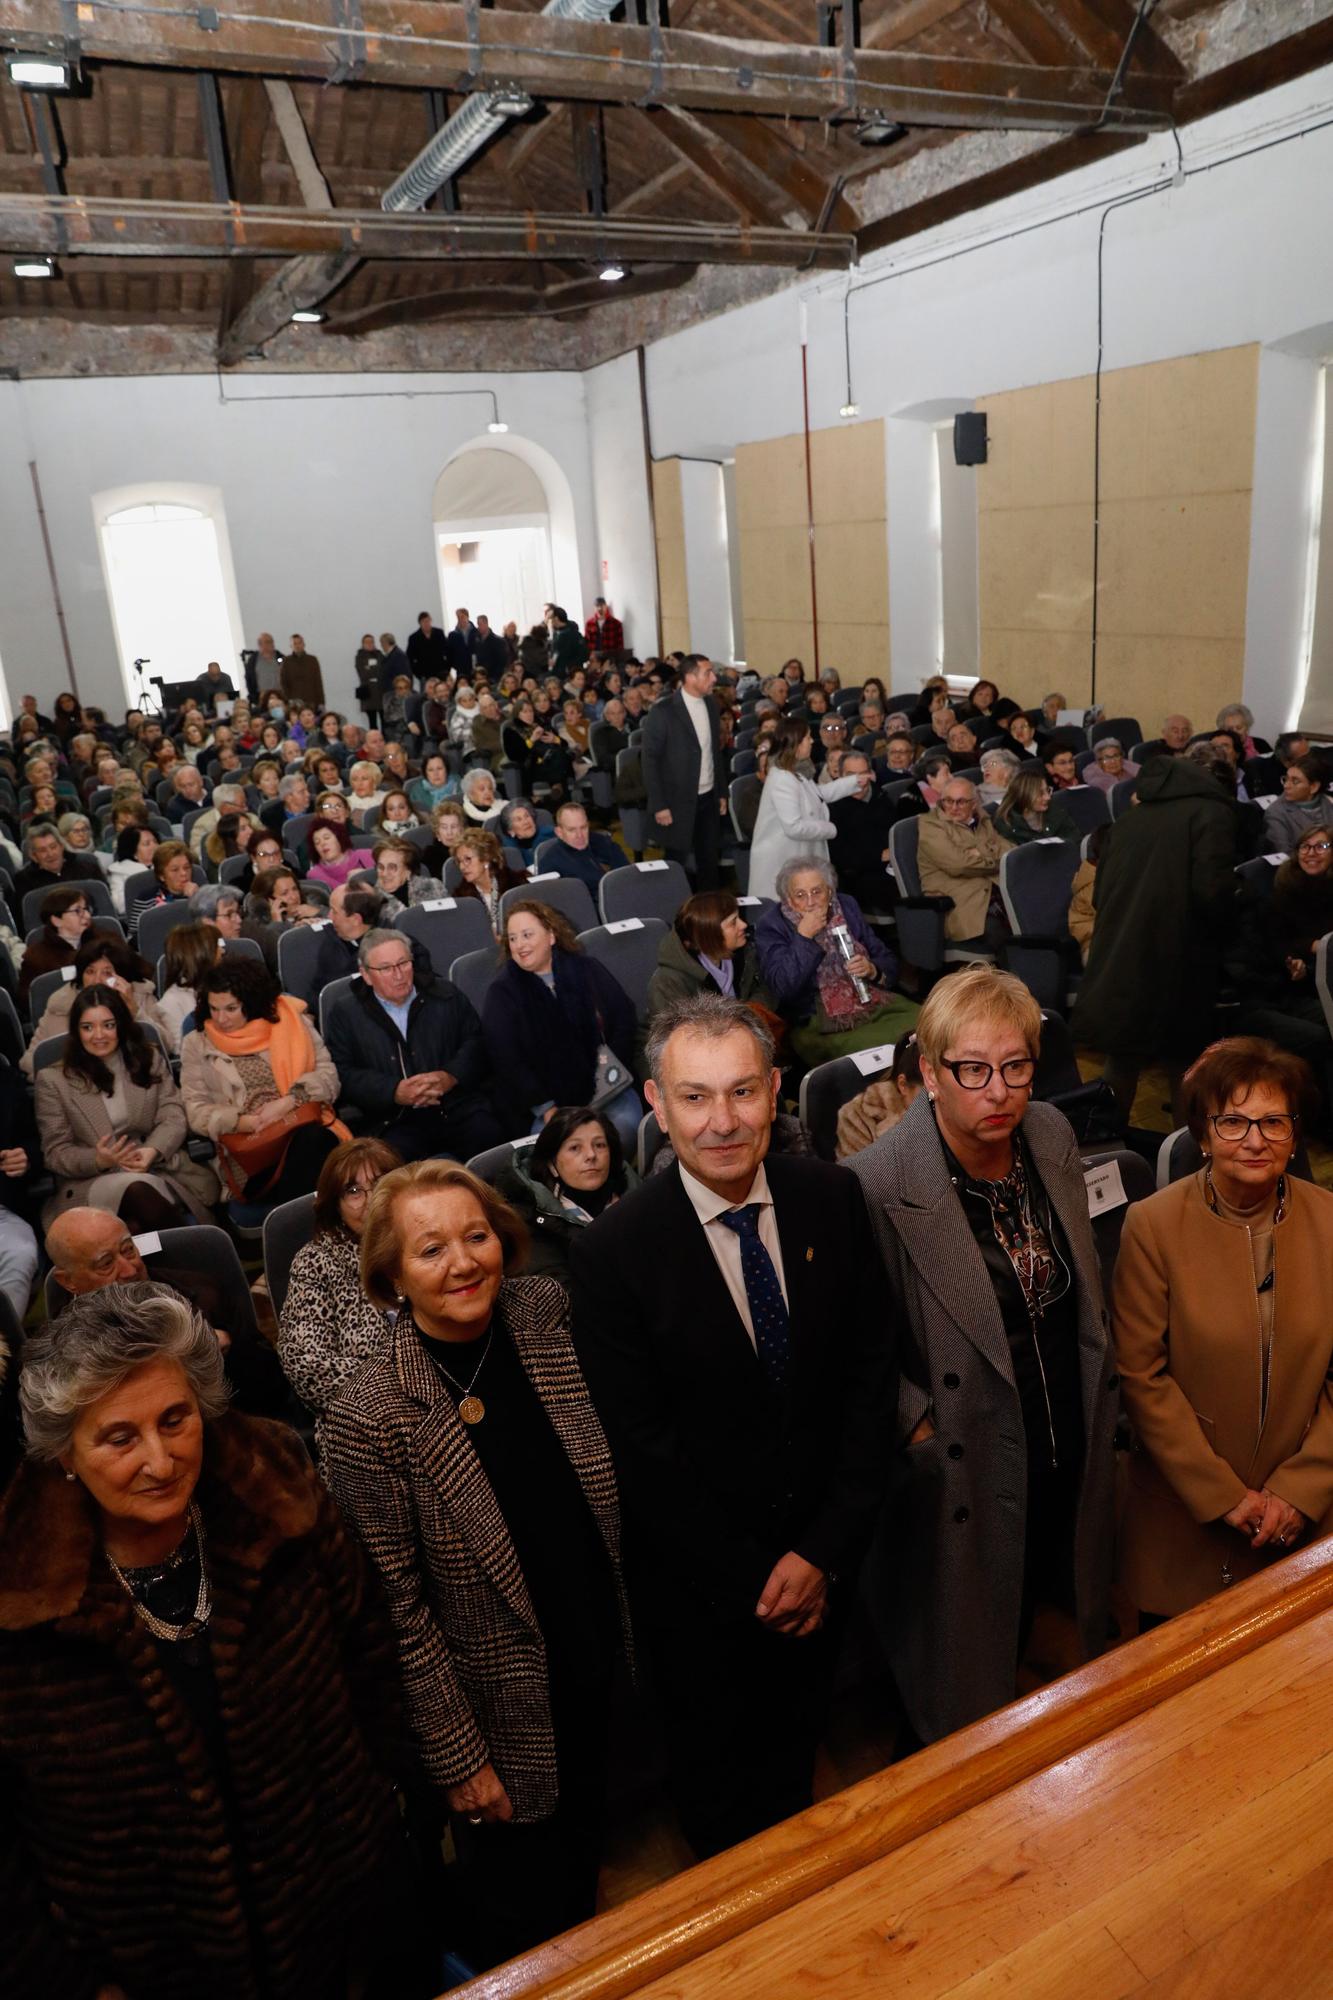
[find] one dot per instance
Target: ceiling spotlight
(496, 428)
(850, 410)
(876, 130)
(41, 72)
(35, 267)
(611, 272)
(310, 317)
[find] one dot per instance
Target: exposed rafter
(764, 147)
(753, 198)
(505, 301)
(432, 42)
(132, 229)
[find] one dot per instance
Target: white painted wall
(1242, 252)
(328, 498)
(707, 571)
(624, 518)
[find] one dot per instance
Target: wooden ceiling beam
(506, 301)
(245, 121)
(894, 27)
(306, 281)
(1034, 32)
(649, 191)
(443, 43)
(1102, 27)
(133, 229)
(765, 149)
(753, 199)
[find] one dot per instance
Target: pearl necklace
(159, 1627)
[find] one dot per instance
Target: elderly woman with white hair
(198, 1700)
(480, 801)
(998, 768)
(826, 970)
(365, 788)
(1002, 1496)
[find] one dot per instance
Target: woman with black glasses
(1002, 1484)
(1225, 1341)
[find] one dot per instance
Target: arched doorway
(493, 538)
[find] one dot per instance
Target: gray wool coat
(944, 1578)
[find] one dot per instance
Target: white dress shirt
(725, 1244)
(696, 707)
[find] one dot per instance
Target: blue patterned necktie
(768, 1309)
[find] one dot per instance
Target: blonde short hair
(977, 993)
(381, 1246)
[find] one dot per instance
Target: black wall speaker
(969, 437)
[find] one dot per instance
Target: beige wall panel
(672, 585)
(1030, 665)
(1184, 426)
(855, 650)
(1040, 452)
(852, 574)
(770, 483)
(1155, 677)
(775, 573)
(1177, 454)
(1176, 567)
(847, 473)
(1036, 568)
(770, 641)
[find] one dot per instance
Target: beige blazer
(214, 1090)
(962, 862)
(72, 1117)
(1187, 1341)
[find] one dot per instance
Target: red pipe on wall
(810, 506)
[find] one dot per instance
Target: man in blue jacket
(581, 855)
(411, 1056)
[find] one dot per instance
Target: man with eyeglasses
(411, 1056)
(958, 855)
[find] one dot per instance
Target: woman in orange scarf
(259, 1082)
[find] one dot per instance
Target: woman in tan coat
(112, 1123)
(1225, 1341)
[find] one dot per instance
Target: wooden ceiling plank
(898, 25)
(747, 193)
(1102, 27)
(765, 149)
(1034, 32)
(421, 42)
(648, 191)
(245, 120)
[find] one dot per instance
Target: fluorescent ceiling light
(34, 267)
(40, 72)
(611, 272)
(497, 429)
(310, 318)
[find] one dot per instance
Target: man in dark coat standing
(682, 769)
(1165, 885)
(726, 1320)
(427, 653)
(460, 644)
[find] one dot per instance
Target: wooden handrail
(697, 1911)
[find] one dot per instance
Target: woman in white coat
(793, 822)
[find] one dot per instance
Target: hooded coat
(1165, 886)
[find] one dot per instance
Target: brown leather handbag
(242, 1155)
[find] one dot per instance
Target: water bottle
(848, 946)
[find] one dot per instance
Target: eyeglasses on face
(355, 1189)
(1316, 847)
(1017, 1073)
(1234, 1126)
(390, 965)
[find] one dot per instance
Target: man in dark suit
(459, 645)
(726, 1321)
(427, 653)
(682, 769)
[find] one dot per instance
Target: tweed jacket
(72, 1117)
(945, 1576)
(1187, 1336)
(328, 1328)
(117, 1863)
(400, 1465)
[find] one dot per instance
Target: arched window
(168, 578)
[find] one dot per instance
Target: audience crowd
(593, 1367)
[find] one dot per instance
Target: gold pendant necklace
(470, 1408)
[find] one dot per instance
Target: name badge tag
(625, 924)
(869, 1061)
(1106, 1189)
(438, 903)
(651, 867)
(148, 1244)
